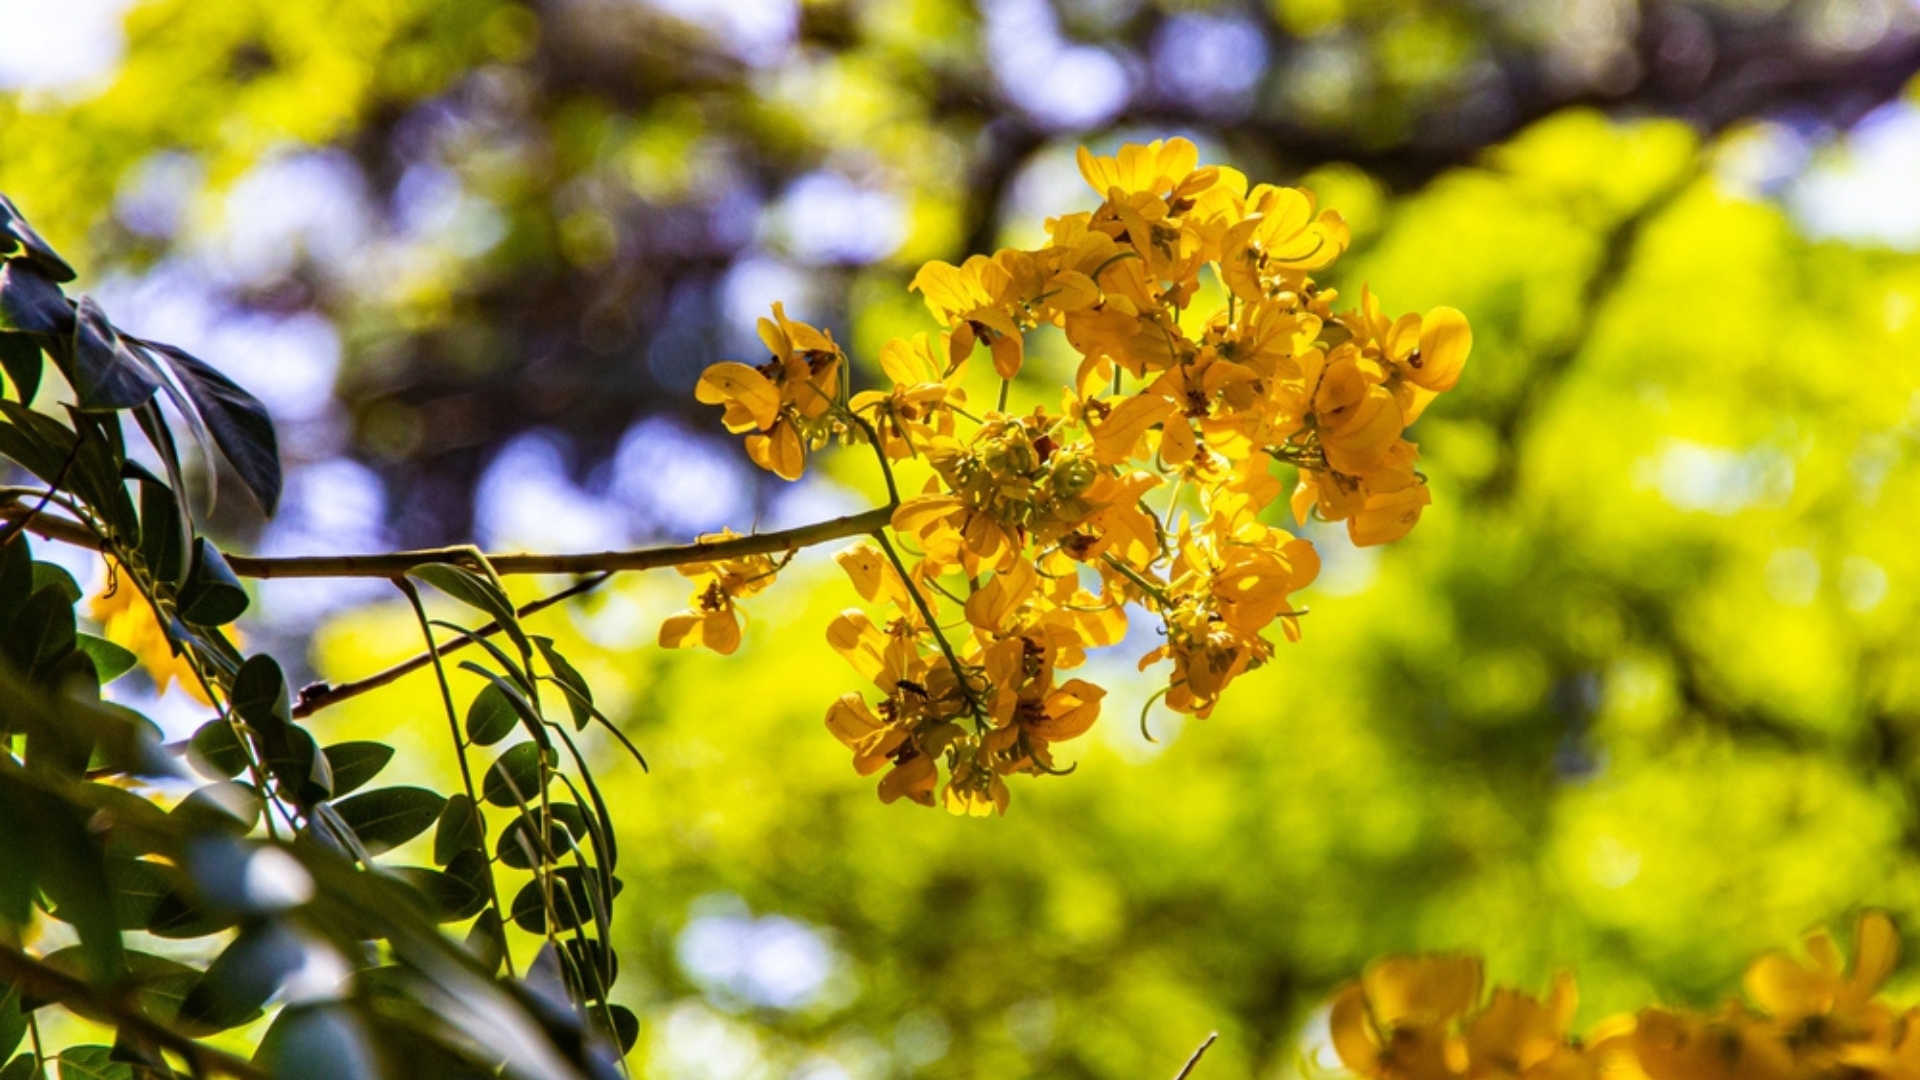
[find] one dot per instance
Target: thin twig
(1195, 1059)
(42, 980)
(320, 695)
(15, 526)
(393, 564)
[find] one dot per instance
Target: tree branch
(39, 979)
(394, 564)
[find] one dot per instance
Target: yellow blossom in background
(1422, 1018)
(127, 620)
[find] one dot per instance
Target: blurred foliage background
(1638, 698)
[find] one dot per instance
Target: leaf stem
(412, 593)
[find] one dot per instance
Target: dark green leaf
(260, 693)
(39, 252)
(16, 577)
(13, 1022)
(162, 543)
(626, 1026)
(241, 979)
(42, 635)
(477, 592)
(30, 302)
(50, 844)
(138, 888)
(386, 818)
(491, 717)
(317, 1042)
(20, 359)
(23, 1067)
(460, 892)
(520, 845)
(212, 595)
(215, 751)
(109, 660)
(355, 763)
(486, 941)
(46, 574)
(178, 918)
(106, 372)
(579, 694)
(92, 1063)
(239, 423)
(296, 762)
(590, 966)
(576, 892)
(521, 705)
(224, 806)
(461, 828)
(514, 779)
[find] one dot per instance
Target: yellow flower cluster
(1423, 1019)
(1037, 530)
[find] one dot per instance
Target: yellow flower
(714, 619)
(782, 401)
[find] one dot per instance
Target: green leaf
(215, 751)
(13, 1022)
(487, 942)
(476, 592)
(461, 827)
(515, 777)
(92, 1063)
(162, 544)
(180, 919)
(579, 695)
(39, 252)
(138, 887)
(42, 635)
(625, 1025)
(220, 807)
(46, 574)
(105, 372)
(317, 1042)
(460, 892)
(260, 693)
(16, 577)
(212, 595)
(590, 966)
(238, 422)
(296, 762)
(110, 660)
(522, 707)
(241, 979)
(20, 359)
(519, 845)
(355, 763)
(386, 818)
(491, 716)
(30, 302)
(23, 1067)
(575, 894)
